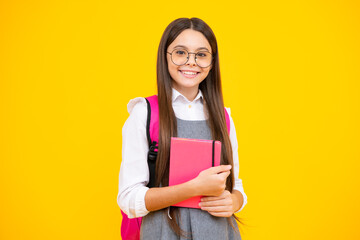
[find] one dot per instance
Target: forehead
(191, 39)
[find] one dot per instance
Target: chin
(182, 82)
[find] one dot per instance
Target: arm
(237, 199)
(134, 172)
(210, 182)
(158, 198)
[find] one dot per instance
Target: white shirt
(134, 171)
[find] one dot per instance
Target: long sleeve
(134, 172)
(234, 144)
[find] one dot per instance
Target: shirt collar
(176, 94)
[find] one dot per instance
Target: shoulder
(137, 108)
(136, 105)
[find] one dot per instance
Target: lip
(189, 76)
(185, 70)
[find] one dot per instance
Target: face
(182, 80)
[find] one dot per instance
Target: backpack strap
(153, 109)
(152, 133)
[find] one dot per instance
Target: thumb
(219, 169)
(224, 174)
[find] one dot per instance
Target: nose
(191, 60)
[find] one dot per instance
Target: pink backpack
(130, 227)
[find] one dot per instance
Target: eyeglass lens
(181, 56)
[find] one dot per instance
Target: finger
(217, 209)
(219, 202)
(221, 214)
(207, 199)
(219, 169)
(224, 174)
(222, 202)
(224, 194)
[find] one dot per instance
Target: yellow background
(290, 72)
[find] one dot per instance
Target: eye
(180, 52)
(202, 54)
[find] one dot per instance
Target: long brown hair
(212, 93)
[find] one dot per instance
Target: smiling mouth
(189, 74)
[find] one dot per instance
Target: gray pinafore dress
(199, 223)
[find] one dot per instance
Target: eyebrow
(187, 48)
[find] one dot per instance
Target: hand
(221, 206)
(212, 181)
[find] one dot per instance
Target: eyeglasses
(181, 56)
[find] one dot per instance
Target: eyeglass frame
(188, 57)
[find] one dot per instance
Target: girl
(190, 106)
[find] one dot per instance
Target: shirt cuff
(140, 207)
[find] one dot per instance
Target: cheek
(205, 73)
(172, 69)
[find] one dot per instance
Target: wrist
(193, 187)
(236, 202)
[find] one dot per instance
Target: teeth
(190, 73)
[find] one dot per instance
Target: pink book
(188, 157)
